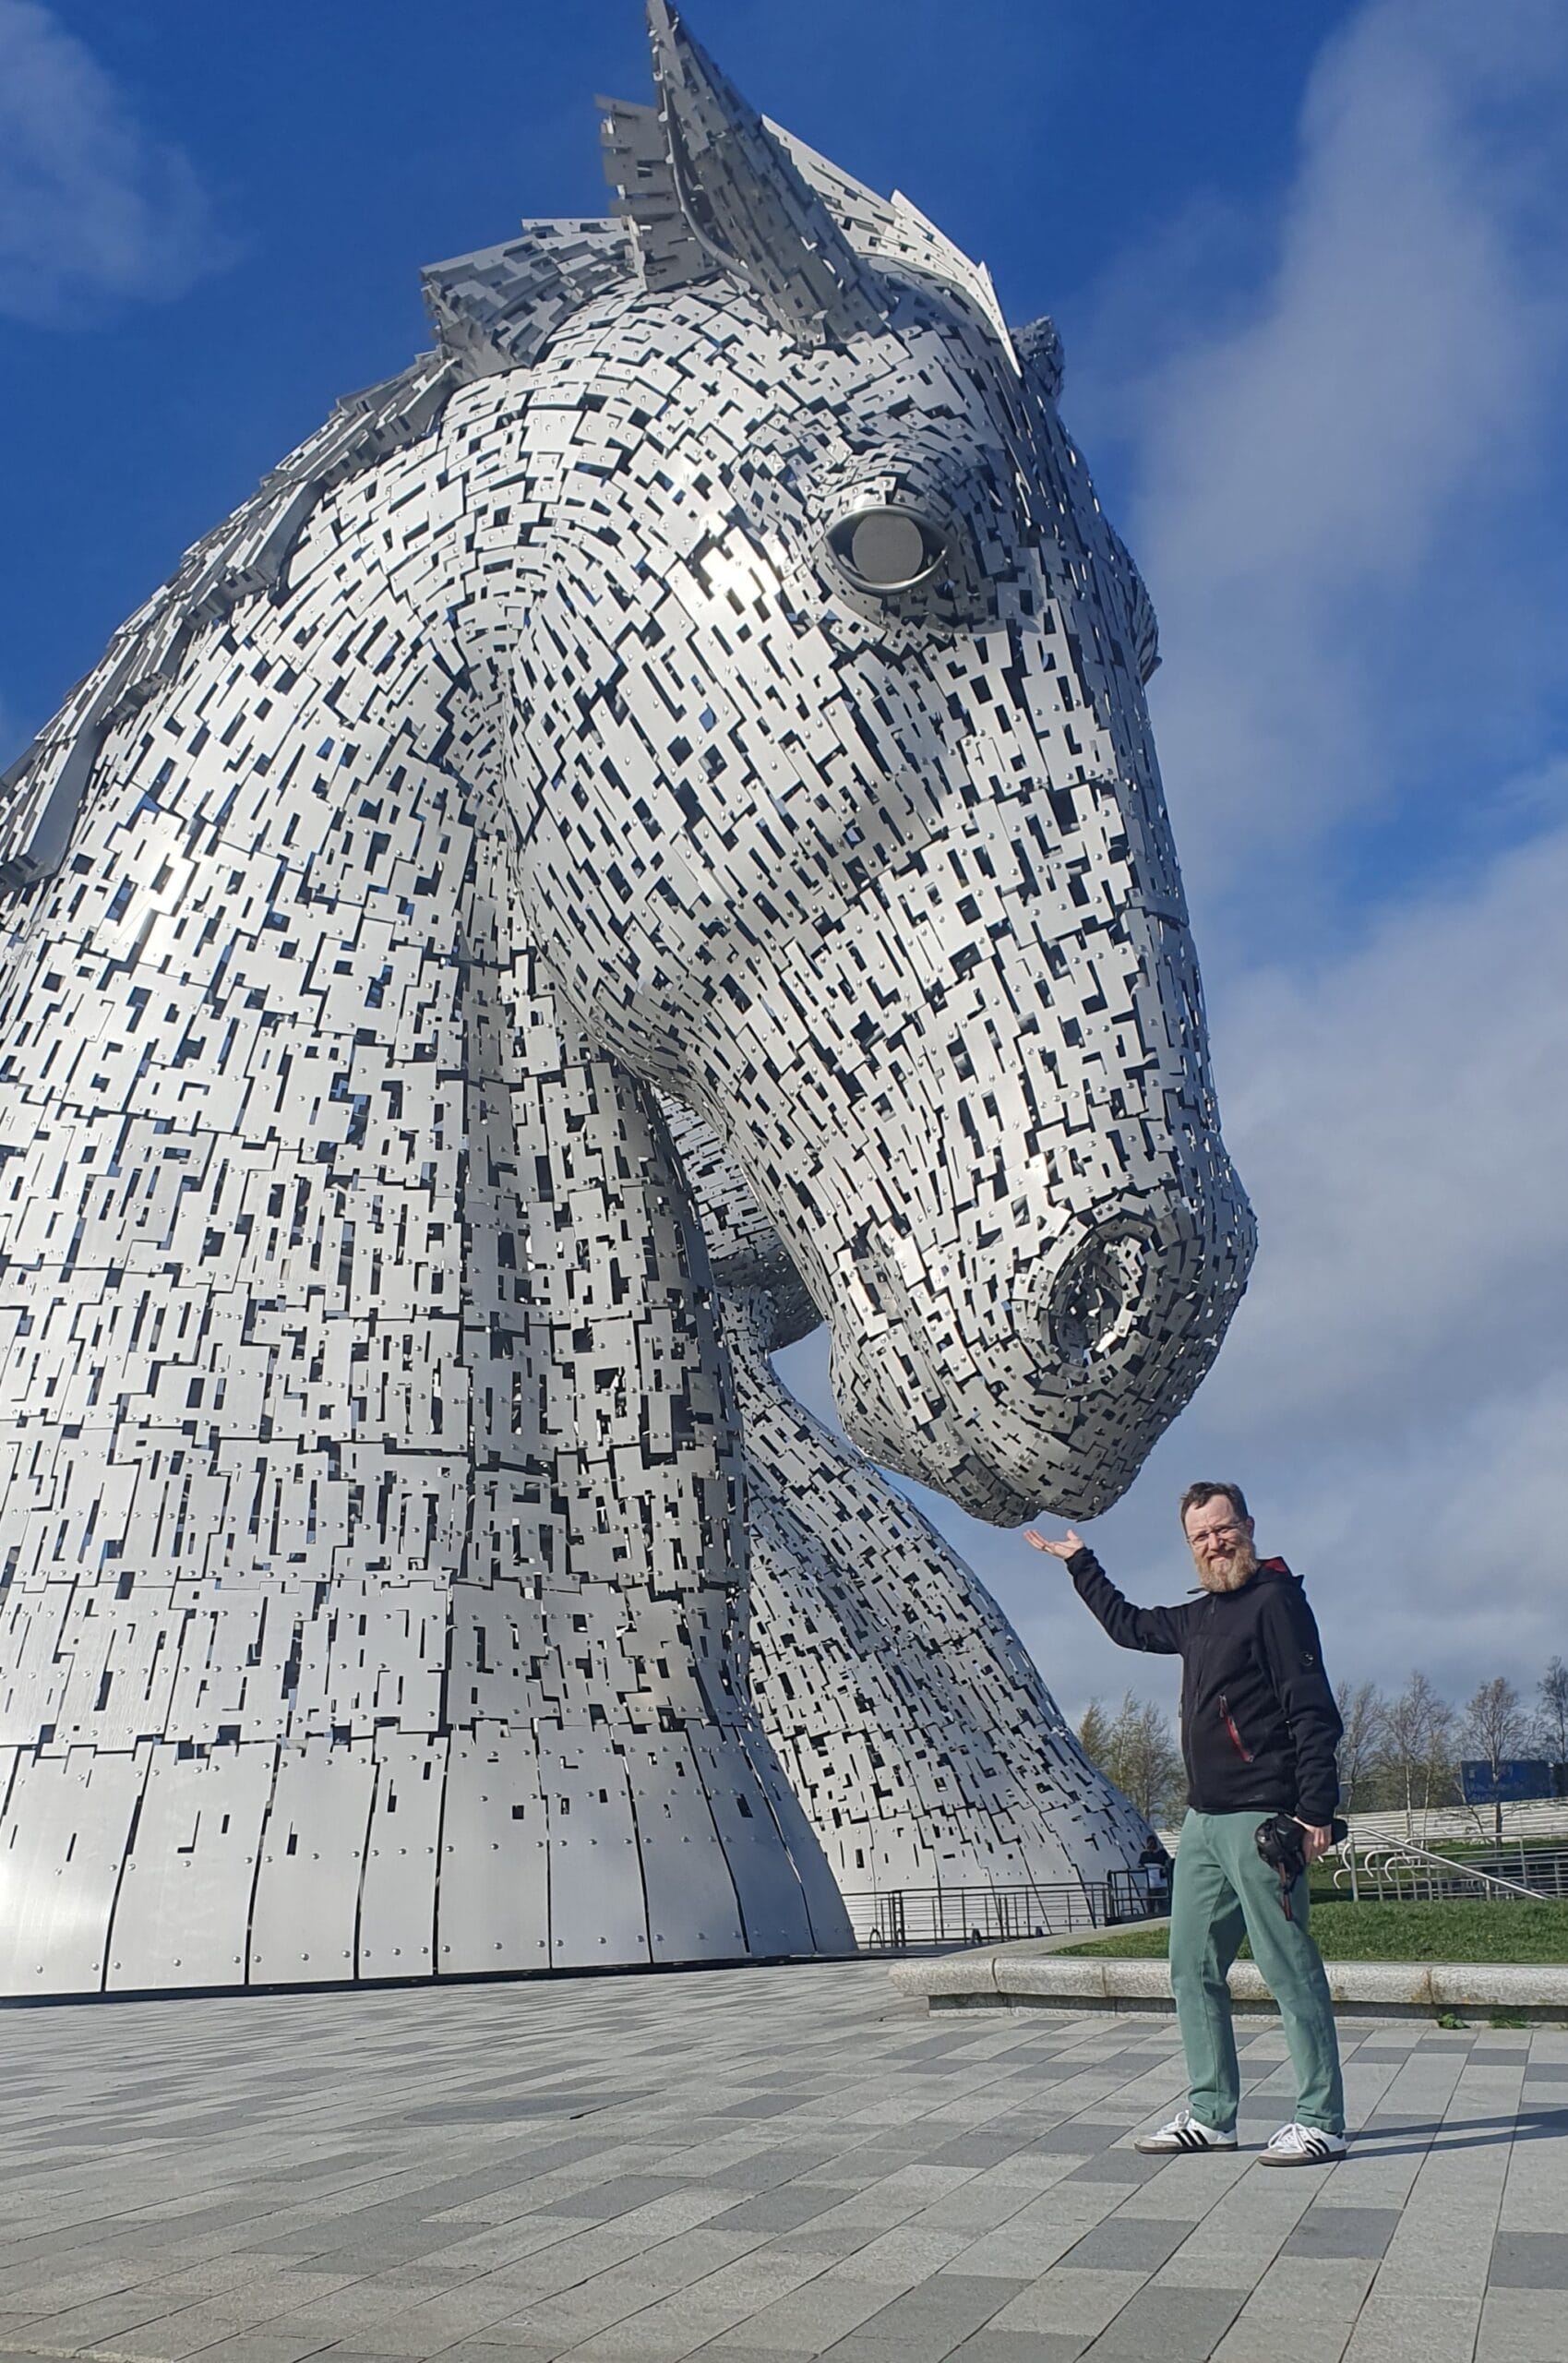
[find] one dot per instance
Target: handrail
(1407, 1850)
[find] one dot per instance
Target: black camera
(1281, 1842)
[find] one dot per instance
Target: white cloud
(93, 209)
(1402, 1122)
(1329, 484)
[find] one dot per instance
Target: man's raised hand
(1067, 1548)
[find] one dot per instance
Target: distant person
(1155, 1864)
(1259, 1730)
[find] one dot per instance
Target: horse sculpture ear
(747, 205)
(1038, 348)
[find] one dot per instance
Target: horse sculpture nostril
(1096, 1296)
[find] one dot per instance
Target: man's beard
(1228, 1574)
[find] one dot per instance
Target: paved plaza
(753, 2164)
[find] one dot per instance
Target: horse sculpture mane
(493, 310)
(468, 1002)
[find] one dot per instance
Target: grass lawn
(1447, 1932)
(1506, 1845)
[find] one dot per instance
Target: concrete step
(1031, 1975)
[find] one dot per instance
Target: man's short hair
(1196, 1495)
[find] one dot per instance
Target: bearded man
(1259, 1730)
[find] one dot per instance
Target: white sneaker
(1303, 2145)
(1184, 2132)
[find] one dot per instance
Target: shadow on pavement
(1396, 2136)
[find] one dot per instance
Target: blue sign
(1513, 1782)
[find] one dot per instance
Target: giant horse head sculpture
(707, 679)
(837, 633)
(820, 678)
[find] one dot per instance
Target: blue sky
(1309, 269)
(259, 184)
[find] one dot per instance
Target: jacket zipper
(1188, 1722)
(1242, 1750)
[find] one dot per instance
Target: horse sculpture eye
(888, 549)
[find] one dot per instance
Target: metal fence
(1410, 1873)
(909, 1920)
(1543, 1869)
(904, 1920)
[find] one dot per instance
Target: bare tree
(1417, 1747)
(1142, 1758)
(1363, 1710)
(1496, 1727)
(1551, 1714)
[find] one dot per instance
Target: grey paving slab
(993, 2346)
(1120, 2165)
(1071, 2299)
(1521, 2326)
(730, 2350)
(762, 2104)
(757, 2167)
(1343, 2231)
(825, 2242)
(1130, 2243)
(1434, 2330)
(1533, 2261)
(780, 2209)
(926, 2323)
(599, 2202)
(1079, 2137)
(1177, 2325)
(982, 2149)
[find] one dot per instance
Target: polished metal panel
(305, 1918)
(397, 1901)
(61, 1853)
(494, 1896)
(182, 1914)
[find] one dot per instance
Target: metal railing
(909, 1920)
(1543, 1871)
(1406, 1873)
(902, 1920)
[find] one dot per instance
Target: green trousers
(1223, 1891)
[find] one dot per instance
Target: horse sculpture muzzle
(1053, 1400)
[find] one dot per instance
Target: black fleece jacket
(1259, 1725)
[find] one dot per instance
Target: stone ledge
(1023, 1976)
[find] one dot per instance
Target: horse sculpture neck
(370, 1296)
